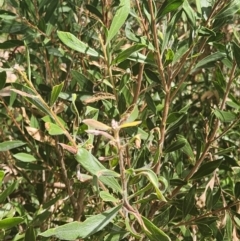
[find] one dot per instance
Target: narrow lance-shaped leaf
(127, 52)
(96, 124)
(74, 43)
(190, 13)
(92, 165)
(55, 93)
(178, 144)
(153, 179)
(206, 169)
(25, 157)
(224, 116)
(3, 78)
(8, 145)
(10, 222)
(153, 232)
(54, 129)
(236, 53)
(74, 230)
(169, 6)
(119, 18)
(188, 201)
(209, 59)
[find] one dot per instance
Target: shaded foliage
(119, 120)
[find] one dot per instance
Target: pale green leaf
(93, 166)
(152, 177)
(74, 43)
(107, 197)
(119, 18)
(75, 230)
(10, 222)
(55, 93)
(25, 157)
(8, 145)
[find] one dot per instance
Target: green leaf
(11, 44)
(55, 93)
(207, 168)
(229, 227)
(229, 10)
(190, 13)
(209, 59)
(8, 145)
(150, 103)
(169, 6)
(152, 177)
(224, 116)
(10, 222)
(74, 43)
(127, 52)
(54, 129)
(8, 191)
(30, 235)
(151, 75)
(92, 9)
(209, 199)
(107, 197)
(187, 148)
(119, 18)
(24, 157)
(107, 173)
(30, 96)
(140, 58)
(169, 56)
(188, 201)
(237, 190)
(178, 144)
(153, 232)
(3, 78)
(92, 165)
(77, 230)
(205, 230)
(1, 177)
(236, 53)
(167, 35)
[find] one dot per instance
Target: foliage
(120, 120)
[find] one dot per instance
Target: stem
(156, 45)
(67, 183)
(108, 63)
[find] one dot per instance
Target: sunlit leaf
(25, 157)
(153, 232)
(96, 124)
(224, 116)
(210, 59)
(10, 222)
(54, 129)
(119, 18)
(169, 6)
(74, 43)
(127, 52)
(130, 124)
(93, 166)
(153, 179)
(55, 93)
(107, 197)
(75, 230)
(8, 145)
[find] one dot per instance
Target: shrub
(119, 120)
